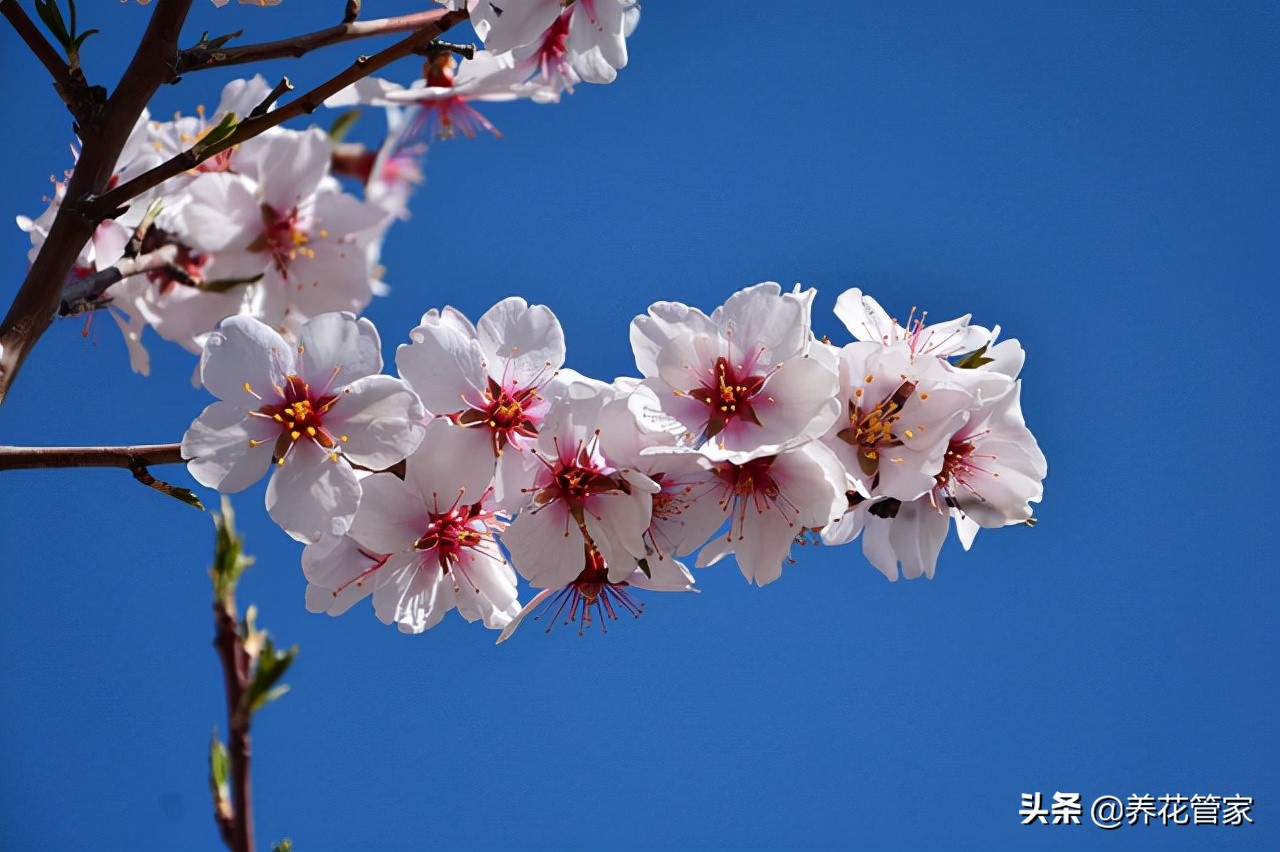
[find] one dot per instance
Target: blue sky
(1101, 182)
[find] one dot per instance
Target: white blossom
(310, 409)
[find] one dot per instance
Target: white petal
(336, 349)
(381, 419)
(451, 460)
(529, 337)
(244, 351)
(546, 546)
(391, 515)
(218, 449)
(311, 495)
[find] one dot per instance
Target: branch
(201, 57)
(38, 298)
(30, 458)
(71, 86)
(235, 679)
(103, 206)
(87, 292)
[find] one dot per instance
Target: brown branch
(30, 458)
(88, 290)
(104, 205)
(70, 84)
(200, 57)
(38, 298)
(235, 677)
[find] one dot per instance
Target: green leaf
(342, 125)
(79, 40)
(285, 845)
(229, 559)
(974, 359)
(52, 17)
(216, 134)
(272, 665)
(219, 767)
(222, 285)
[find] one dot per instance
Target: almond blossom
(991, 473)
(423, 545)
(593, 598)
(446, 92)
(746, 381)
(866, 320)
(578, 498)
(312, 409)
(595, 30)
(898, 413)
(491, 377)
(769, 502)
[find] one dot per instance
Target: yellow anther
(253, 443)
(247, 389)
(909, 433)
(311, 430)
(295, 434)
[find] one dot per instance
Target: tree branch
(70, 85)
(201, 57)
(38, 298)
(235, 679)
(87, 292)
(102, 206)
(30, 458)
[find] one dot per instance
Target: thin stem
(37, 300)
(40, 46)
(104, 205)
(71, 87)
(30, 458)
(235, 679)
(200, 57)
(87, 292)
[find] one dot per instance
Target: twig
(274, 95)
(87, 292)
(71, 86)
(235, 678)
(200, 57)
(103, 206)
(37, 300)
(30, 458)
(352, 12)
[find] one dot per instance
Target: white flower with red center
(991, 473)
(491, 377)
(422, 545)
(310, 408)
(898, 412)
(769, 502)
(593, 598)
(746, 381)
(171, 138)
(866, 320)
(595, 31)
(271, 226)
(578, 497)
(445, 96)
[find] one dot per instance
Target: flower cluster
(262, 229)
(742, 435)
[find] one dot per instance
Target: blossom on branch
(312, 409)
